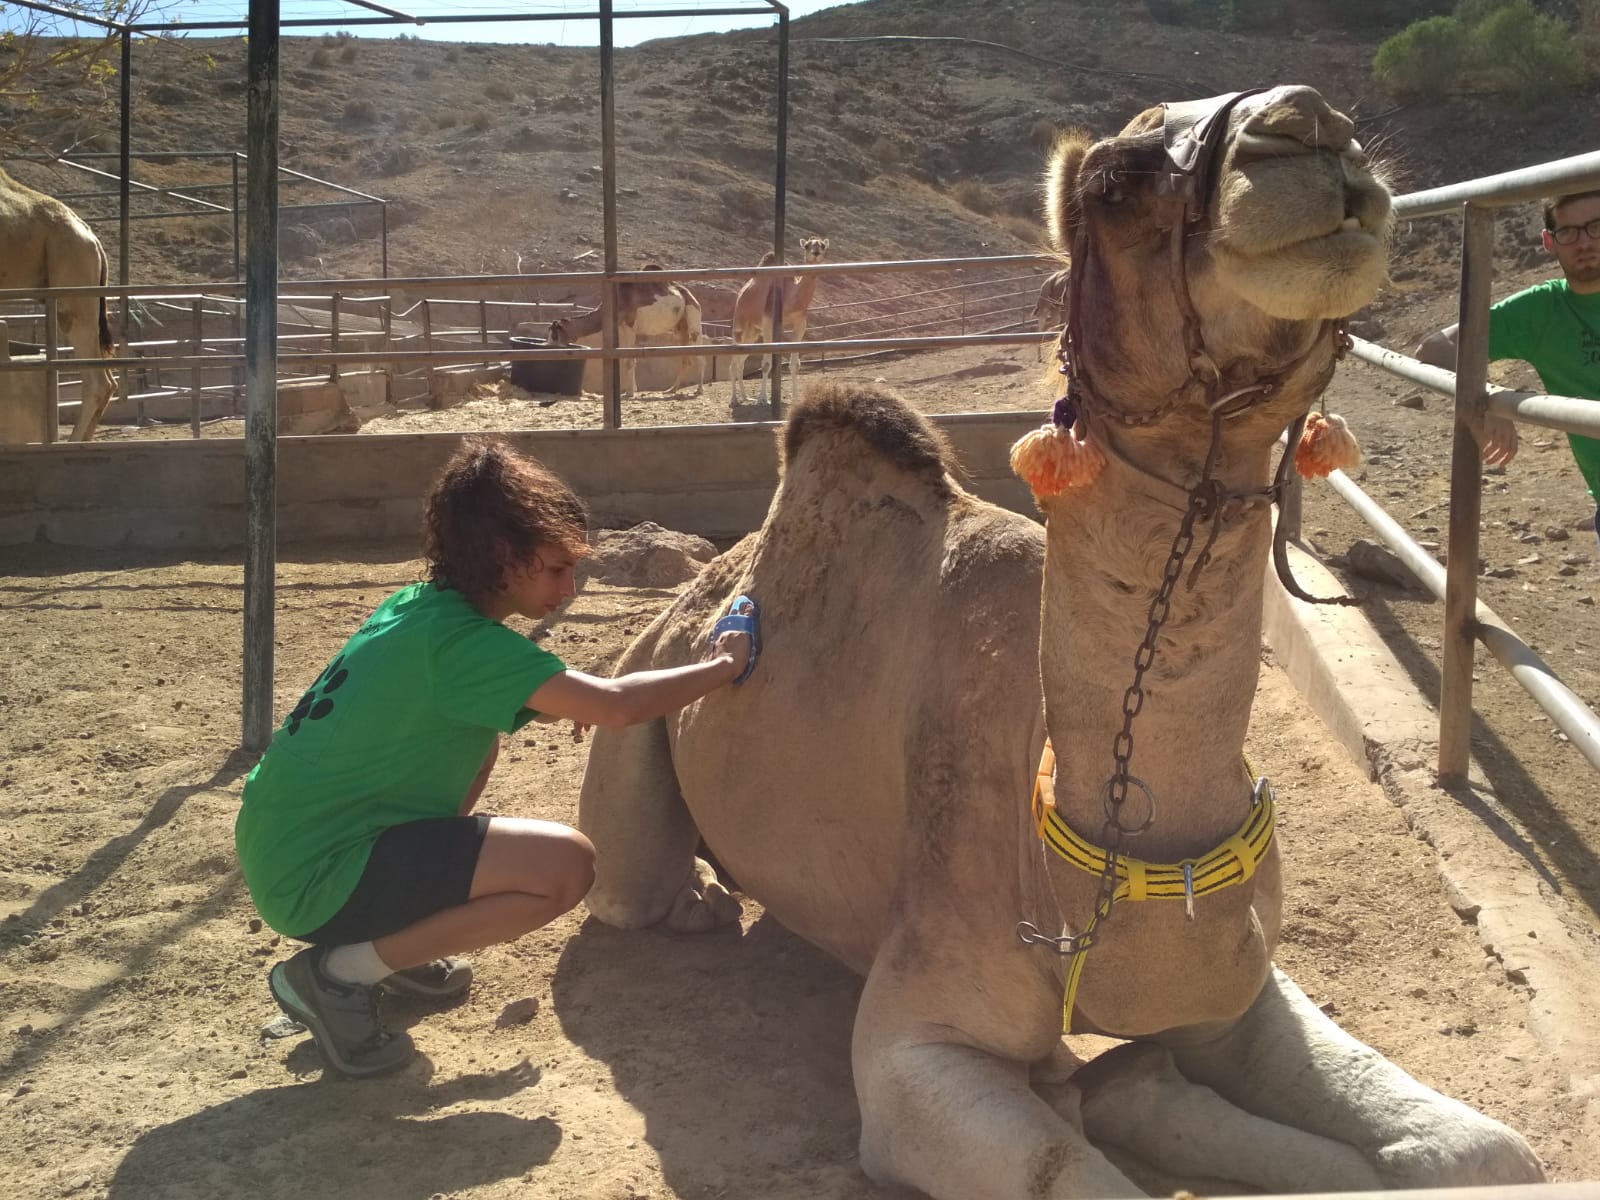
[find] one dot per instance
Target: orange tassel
(1052, 460)
(1326, 445)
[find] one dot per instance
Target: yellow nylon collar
(1233, 861)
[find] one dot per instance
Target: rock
(1372, 561)
(1368, 329)
(1574, 560)
(1554, 533)
(1585, 522)
(1501, 572)
(518, 1012)
(255, 924)
(1529, 560)
(646, 556)
(1411, 400)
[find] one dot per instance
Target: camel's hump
(884, 422)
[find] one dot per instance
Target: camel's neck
(797, 297)
(1107, 551)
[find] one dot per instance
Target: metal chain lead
(1113, 832)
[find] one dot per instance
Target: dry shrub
(321, 58)
(747, 203)
(1042, 133)
(885, 152)
(480, 121)
(360, 111)
(348, 54)
(421, 71)
(500, 91)
(975, 195)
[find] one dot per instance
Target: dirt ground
(588, 1063)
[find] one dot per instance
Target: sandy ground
(585, 1063)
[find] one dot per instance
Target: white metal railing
(993, 307)
(1466, 619)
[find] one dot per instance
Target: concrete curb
(1490, 869)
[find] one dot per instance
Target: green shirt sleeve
(1518, 325)
(483, 675)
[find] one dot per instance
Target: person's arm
(641, 695)
(1499, 434)
(1439, 349)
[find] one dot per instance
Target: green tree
(1423, 61)
(38, 63)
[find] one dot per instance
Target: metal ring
(1113, 816)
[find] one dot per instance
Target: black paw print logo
(313, 707)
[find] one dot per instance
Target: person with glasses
(1553, 326)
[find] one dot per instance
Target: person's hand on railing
(1499, 440)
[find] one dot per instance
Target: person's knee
(575, 875)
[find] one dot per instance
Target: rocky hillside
(907, 138)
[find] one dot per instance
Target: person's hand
(1499, 441)
(736, 645)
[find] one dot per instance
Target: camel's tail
(108, 345)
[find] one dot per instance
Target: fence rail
(1466, 619)
(415, 339)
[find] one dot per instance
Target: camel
(644, 310)
(752, 314)
(1050, 309)
(869, 784)
(43, 243)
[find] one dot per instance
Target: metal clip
(1030, 934)
(1188, 890)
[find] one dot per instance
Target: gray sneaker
(441, 979)
(342, 1017)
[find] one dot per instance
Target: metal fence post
(197, 340)
(52, 377)
(1466, 496)
(333, 334)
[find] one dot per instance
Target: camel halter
(1193, 135)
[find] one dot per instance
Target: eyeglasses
(1567, 234)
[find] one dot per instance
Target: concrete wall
(714, 480)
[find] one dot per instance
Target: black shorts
(415, 870)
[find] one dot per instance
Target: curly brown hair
(488, 511)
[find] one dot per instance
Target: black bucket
(557, 377)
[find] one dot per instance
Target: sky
(565, 32)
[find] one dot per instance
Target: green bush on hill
(1505, 47)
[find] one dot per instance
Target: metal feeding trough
(558, 377)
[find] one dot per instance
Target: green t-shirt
(394, 730)
(1558, 333)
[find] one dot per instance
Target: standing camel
(752, 314)
(43, 243)
(644, 310)
(909, 675)
(1050, 309)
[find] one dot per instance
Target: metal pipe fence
(979, 312)
(1467, 620)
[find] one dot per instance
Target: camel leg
(630, 374)
(79, 323)
(1134, 1098)
(646, 869)
(1285, 1061)
(736, 364)
(955, 1121)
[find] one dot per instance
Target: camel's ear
(1061, 187)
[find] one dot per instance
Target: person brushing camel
(356, 833)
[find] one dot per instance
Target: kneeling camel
(869, 784)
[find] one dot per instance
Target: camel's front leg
(646, 872)
(1286, 1061)
(630, 366)
(957, 1122)
(794, 359)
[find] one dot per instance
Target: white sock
(357, 963)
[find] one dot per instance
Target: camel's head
(1224, 230)
(813, 248)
